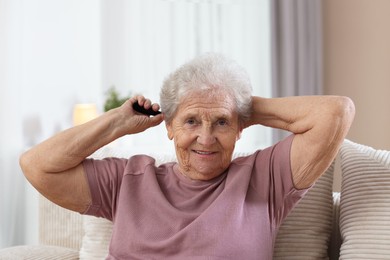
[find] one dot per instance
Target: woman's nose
(206, 136)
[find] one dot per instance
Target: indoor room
(64, 63)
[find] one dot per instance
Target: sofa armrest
(38, 252)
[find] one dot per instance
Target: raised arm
(54, 167)
(320, 124)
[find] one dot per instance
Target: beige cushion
(59, 226)
(306, 231)
(365, 202)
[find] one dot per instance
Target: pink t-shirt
(160, 214)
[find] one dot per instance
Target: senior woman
(205, 206)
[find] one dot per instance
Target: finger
(156, 120)
(144, 102)
(156, 107)
(147, 104)
(140, 100)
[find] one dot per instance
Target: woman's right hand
(132, 122)
(54, 167)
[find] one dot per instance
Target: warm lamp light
(83, 113)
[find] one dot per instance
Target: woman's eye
(190, 121)
(222, 122)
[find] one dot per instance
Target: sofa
(351, 224)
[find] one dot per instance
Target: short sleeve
(104, 178)
(274, 176)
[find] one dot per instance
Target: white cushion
(365, 202)
(306, 231)
(96, 239)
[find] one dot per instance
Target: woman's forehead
(207, 106)
(207, 114)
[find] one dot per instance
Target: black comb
(142, 110)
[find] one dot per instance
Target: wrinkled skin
(205, 129)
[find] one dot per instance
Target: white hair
(207, 72)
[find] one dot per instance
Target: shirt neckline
(189, 181)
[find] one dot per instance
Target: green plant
(113, 99)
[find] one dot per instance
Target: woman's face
(205, 129)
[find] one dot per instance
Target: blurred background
(59, 58)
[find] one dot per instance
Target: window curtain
(12, 189)
(296, 52)
(49, 60)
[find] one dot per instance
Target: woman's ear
(241, 127)
(238, 137)
(169, 130)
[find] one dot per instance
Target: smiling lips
(203, 152)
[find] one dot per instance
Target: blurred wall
(357, 64)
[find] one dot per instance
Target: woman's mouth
(203, 152)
